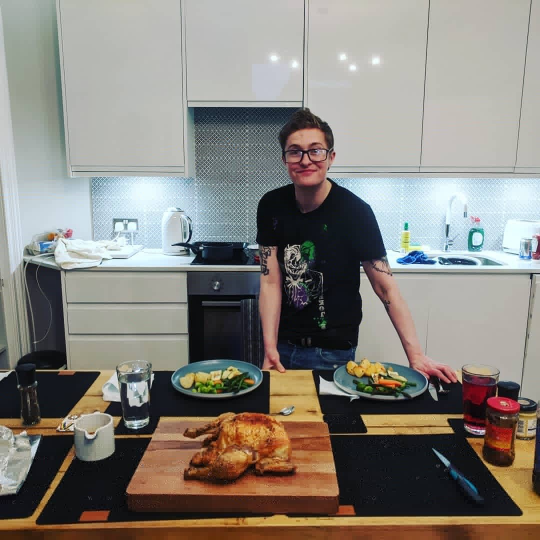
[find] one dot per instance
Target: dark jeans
(298, 357)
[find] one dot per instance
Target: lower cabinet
(113, 317)
(531, 366)
(459, 319)
(377, 339)
(165, 352)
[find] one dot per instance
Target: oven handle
(221, 303)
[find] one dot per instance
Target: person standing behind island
(313, 236)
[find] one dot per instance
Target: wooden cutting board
(158, 484)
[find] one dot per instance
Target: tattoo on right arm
(264, 253)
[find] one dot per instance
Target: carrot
(249, 382)
(388, 383)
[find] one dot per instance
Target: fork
(440, 389)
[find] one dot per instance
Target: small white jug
(94, 436)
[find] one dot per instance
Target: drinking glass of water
(479, 384)
(134, 384)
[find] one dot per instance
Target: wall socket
(125, 225)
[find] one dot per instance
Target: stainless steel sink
(466, 260)
(485, 261)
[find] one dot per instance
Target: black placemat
(96, 491)
(399, 475)
(166, 401)
(451, 403)
(58, 392)
(51, 452)
(457, 425)
(121, 428)
(341, 423)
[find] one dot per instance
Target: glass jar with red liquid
(479, 384)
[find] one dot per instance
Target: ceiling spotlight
(343, 57)
(274, 57)
(352, 67)
(294, 64)
(375, 60)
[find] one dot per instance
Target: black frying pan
(211, 251)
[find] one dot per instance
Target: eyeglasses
(314, 154)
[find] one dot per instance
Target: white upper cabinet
(243, 53)
(474, 77)
(365, 77)
(528, 156)
(122, 86)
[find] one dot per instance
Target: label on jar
(499, 438)
(526, 427)
(476, 239)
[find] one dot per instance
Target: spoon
(286, 410)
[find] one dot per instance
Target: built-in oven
(224, 317)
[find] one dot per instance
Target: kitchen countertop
(154, 260)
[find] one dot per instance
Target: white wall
(49, 199)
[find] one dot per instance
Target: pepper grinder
(27, 385)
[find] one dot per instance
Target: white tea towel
(111, 389)
(70, 254)
(4, 375)
(327, 388)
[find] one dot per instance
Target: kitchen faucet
(448, 242)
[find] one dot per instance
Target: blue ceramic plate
(346, 382)
(213, 365)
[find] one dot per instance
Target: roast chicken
(235, 443)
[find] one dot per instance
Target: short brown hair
(305, 119)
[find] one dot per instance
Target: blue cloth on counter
(416, 257)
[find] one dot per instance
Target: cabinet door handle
(218, 303)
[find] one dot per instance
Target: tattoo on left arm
(264, 253)
(386, 304)
(381, 265)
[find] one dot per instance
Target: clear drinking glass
(479, 384)
(134, 385)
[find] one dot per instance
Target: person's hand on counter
(271, 361)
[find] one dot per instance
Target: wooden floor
(297, 388)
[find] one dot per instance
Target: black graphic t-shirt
(319, 254)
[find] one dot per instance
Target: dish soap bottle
(405, 244)
(476, 235)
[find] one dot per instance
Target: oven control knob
(216, 285)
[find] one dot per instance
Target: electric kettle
(175, 227)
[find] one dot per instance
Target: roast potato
(187, 380)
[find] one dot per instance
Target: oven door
(226, 327)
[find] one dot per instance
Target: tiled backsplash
(238, 159)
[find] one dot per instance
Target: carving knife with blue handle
(466, 485)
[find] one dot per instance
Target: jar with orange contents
(502, 416)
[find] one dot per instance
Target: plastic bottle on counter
(476, 235)
(27, 385)
(405, 242)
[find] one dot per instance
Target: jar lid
(527, 405)
(508, 385)
(26, 374)
(503, 404)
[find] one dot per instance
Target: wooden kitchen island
(296, 387)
